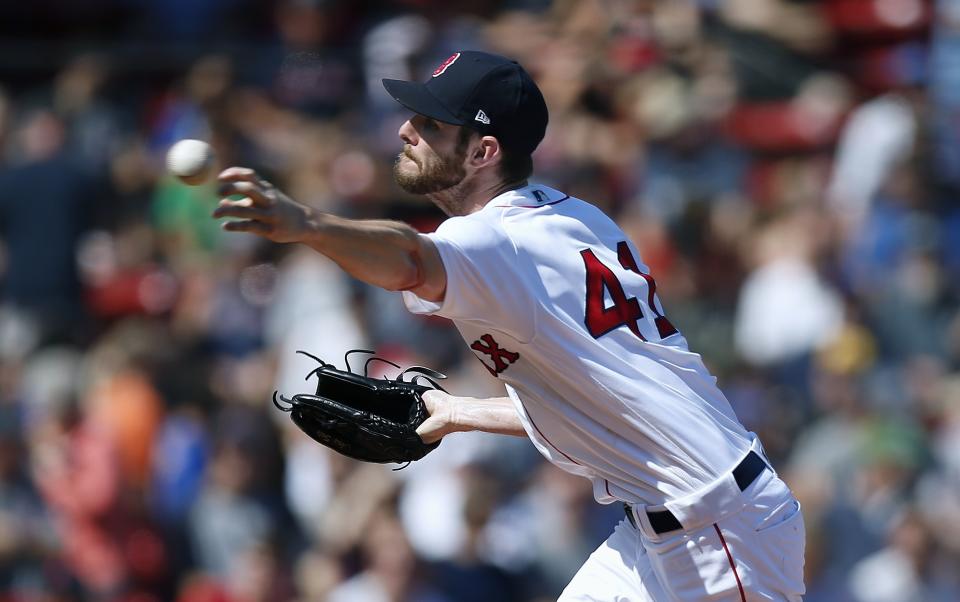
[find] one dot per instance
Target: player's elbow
(420, 271)
(408, 276)
(399, 285)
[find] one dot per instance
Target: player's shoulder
(478, 231)
(538, 210)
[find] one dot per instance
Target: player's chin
(403, 159)
(409, 178)
(408, 166)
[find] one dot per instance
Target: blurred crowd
(789, 169)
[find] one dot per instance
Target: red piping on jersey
(606, 485)
(536, 206)
(743, 596)
(534, 425)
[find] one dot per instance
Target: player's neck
(471, 196)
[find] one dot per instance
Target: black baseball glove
(369, 419)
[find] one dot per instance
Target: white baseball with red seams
(191, 160)
(554, 299)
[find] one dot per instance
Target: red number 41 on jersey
(625, 311)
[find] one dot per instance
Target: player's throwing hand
(263, 210)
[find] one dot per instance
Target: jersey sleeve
(485, 279)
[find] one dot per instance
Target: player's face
(432, 156)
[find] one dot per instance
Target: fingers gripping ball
(365, 418)
(192, 161)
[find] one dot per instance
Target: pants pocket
(694, 566)
(783, 538)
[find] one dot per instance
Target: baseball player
(554, 300)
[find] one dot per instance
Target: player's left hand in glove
(368, 419)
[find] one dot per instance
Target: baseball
(191, 160)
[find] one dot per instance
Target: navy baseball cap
(486, 92)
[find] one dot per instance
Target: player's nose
(408, 133)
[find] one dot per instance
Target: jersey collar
(531, 196)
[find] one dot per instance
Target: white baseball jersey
(554, 300)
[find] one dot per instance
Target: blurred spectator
(878, 137)
(469, 575)
(26, 536)
(76, 470)
(93, 125)
(43, 197)
(227, 522)
(392, 573)
(945, 51)
(906, 570)
(785, 309)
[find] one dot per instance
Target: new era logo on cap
(482, 117)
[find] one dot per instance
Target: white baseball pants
(754, 552)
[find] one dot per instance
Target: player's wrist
(314, 227)
(455, 416)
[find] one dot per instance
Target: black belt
(663, 521)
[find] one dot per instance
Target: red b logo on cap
(443, 66)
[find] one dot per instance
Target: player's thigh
(770, 548)
(617, 571)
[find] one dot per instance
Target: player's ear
(486, 152)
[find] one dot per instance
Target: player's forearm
(388, 254)
(380, 252)
(492, 415)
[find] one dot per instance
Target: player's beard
(435, 174)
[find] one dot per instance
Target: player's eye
(431, 125)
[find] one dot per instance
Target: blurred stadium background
(789, 169)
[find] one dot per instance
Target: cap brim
(416, 97)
